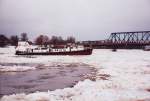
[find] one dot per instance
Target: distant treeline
(40, 40)
(45, 40)
(4, 40)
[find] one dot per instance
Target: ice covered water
(122, 76)
(43, 78)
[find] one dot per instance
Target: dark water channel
(42, 79)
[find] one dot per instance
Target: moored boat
(24, 48)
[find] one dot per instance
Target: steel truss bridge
(133, 40)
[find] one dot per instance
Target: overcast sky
(84, 19)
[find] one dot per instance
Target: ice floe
(128, 80)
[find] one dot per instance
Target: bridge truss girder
(141, 37)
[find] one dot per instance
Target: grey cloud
(84, 19)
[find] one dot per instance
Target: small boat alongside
(24, 48)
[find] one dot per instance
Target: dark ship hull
(79, 52)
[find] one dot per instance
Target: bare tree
(3, 41)
(39, 40)
(14, 40)
(45, 40)
(57, 40)
(60, 40)
(42, 40)
(24, 37)
(53, 40)
(70, 39)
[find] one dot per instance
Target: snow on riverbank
(129, 72)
